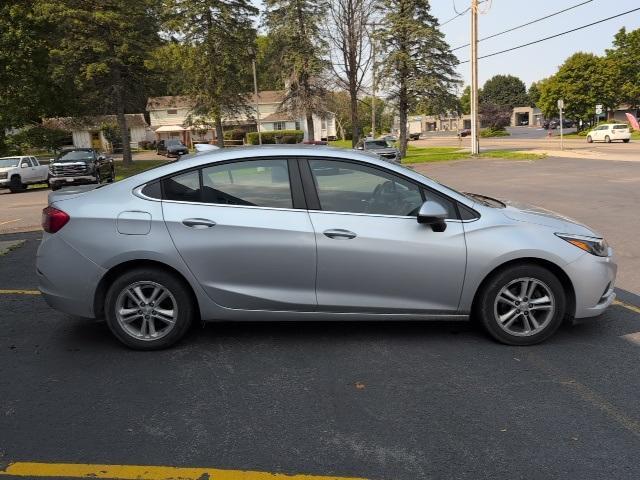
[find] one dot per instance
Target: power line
(525, 24)
(458, 14)
(556, 35)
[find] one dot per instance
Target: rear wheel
(626, 140)
(589, 139)
(607, 139)
(148, 309)
(522, 305)
(112, 176)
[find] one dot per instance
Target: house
(526, 116)
(169, 118)
(87, 132)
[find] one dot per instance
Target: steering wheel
(385, 197)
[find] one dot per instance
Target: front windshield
(9, 162)
(376, 144)
(174, 142)
(75, 156)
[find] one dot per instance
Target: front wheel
(148, 309)
(522, 305)
(589, 139)
(607, 139)
(626, 140)
(112, 176)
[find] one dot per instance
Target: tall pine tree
(294, 26)
(418, 66)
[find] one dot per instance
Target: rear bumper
(66, 279)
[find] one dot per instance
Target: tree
(582, 81)
(294, 26)
(418, 64)
(218, 41)
(267, 65)
(534, 94)
(495, 117)
(624, 60)
(100, 47)
(348, 34)
(465, 101)
(505, 91)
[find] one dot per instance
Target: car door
(243, 230)
(373, 255)
(26, 173)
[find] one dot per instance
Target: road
(397, 401)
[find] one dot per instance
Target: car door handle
(198, 223)
(339, 234)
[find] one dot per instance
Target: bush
(235, 134)
(38, 137)
(493, 132)
(276, 136)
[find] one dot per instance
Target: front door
(236, 227)
(96, 142)
(373, 255)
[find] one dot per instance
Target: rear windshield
(75, 156)
(619, 127)
(9, 162)
(376, 144)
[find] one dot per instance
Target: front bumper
(4, 183)
(593, 281)
(84, 179)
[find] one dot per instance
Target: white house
(87, 131)
(168, 117)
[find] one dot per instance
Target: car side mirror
(434, 214)
(359, 147)
(24, 165)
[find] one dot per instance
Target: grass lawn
(138, 166)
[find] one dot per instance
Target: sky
(540, 60)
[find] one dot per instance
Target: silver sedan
(312, 233)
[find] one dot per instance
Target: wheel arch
(564, 279)
(107, 280)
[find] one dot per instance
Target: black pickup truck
(75, 166)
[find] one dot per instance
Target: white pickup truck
(16, 173)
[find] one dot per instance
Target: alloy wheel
(524, 307)
(146, 310)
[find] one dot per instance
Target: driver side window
(354, 188)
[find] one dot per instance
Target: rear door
(373, 255)
(243, 230)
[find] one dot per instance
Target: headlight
(593, 245)
(3, 175)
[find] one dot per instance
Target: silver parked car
(312, 233)
(380, 147)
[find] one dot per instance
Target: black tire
(486, 307)
(180, 293)
(16, 184)
(589, 139)
(626, 140)
(112, 177)
(607, 139)
(54, 187)
(98, 178)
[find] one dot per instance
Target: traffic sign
(560, 103)
(598, 109)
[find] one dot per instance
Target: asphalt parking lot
(378, 401)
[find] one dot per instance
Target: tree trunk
(311, 134)
(219, 132)
(355, 123)
(403, 107)
(127, 159)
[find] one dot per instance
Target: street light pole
(373, 93)
(475, 146)
(255, 88)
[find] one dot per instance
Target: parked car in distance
(80, 166)
(171, 148)
(610, 132)
(312, 233)
(380, 147)
(17, 173)
(391, 139)
(414, 136)
(465, 132)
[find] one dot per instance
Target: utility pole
(475, 146)
(255, 88)
(373, 88)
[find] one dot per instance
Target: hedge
(276, 136)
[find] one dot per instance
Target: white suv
(610, 132)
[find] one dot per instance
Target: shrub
(38, 137)
(493, 132)
(235, 134)
(276, 136)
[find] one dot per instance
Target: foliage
(111, 133)
(493, 132)
(418, 66)
(235, 134)
(294, 26)
(38, 137)
(465, 100)
(534, 94)
(504, 91)
(624, 60)
(496, 117)
(267, 67)
(276, 136)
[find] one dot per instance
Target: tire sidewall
(178, 289)
(502, 278)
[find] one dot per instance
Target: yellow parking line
(19, 292)
(139, 472)
(633, 308)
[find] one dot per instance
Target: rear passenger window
(262, 183)
(184, 187)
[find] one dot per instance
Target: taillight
(53, 219)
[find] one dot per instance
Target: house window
(279, 125)
(172, 111)
(298, 125)
(323, 123)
